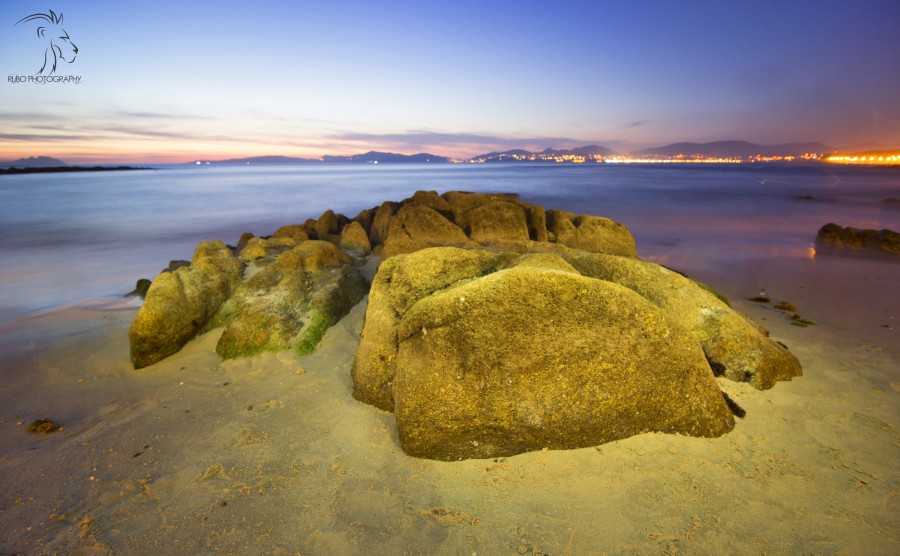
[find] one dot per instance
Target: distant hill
(512, 153)
(375, 157)
(523, 155)
(34, 162)
(587, 150)
(743, 149)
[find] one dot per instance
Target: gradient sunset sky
(174, 81)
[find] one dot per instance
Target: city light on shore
(864, 158)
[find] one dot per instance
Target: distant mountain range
(34, 162)
(371, 157)
(588, 153)
(375, 157)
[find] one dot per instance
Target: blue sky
(176, 81)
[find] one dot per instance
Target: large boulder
(381, 222)
(594, 234)
(462, 203)
(529, 358)
(497, 221)
(178, 304)
(736, 347)
(355, 239)
(328, 226)
(482, 353)
(416, 227)
(296, 232)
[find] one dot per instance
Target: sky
(174, 81)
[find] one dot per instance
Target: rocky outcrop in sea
(835, 239)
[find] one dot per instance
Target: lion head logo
(58, 45)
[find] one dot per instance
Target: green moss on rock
(312, 334)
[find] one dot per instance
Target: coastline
(271, 454)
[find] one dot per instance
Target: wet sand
(272, 455)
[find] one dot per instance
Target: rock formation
(502, 340)
(493, 327)
(832, 238)
(532, 357)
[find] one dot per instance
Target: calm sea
(68, 238)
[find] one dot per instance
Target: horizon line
(218, 158)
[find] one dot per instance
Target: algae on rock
(290, 302)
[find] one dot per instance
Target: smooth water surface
(71, 237)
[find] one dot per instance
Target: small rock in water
(140, 288)
(797, 320)
(785, 306)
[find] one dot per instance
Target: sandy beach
(272, 455)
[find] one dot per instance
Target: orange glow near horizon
(152, 151)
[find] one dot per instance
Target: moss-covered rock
(431, 200)
(594, 234)
(416, 227)
(178, 304)
(355, 239)
(284, 304)
(381, 222)
(529, 358)
(328, 226)
(462, 345)
(497, 221)
(296, 232)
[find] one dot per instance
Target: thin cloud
(38, 137)
(158, 115)
(141, 132)
(24, 116)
